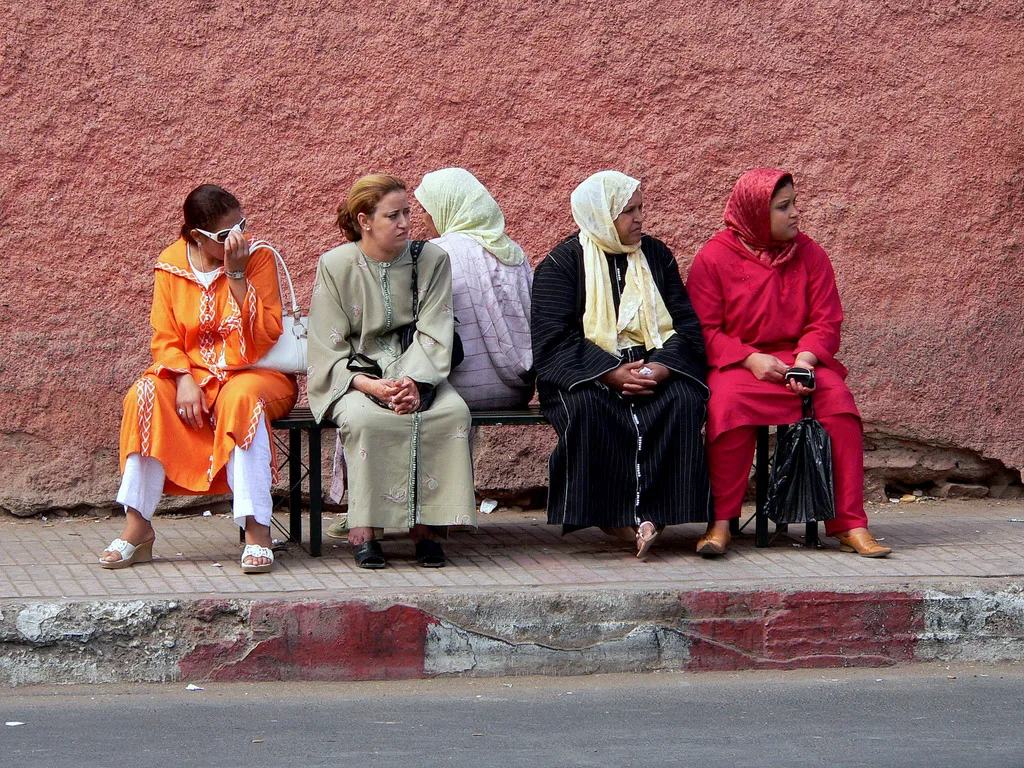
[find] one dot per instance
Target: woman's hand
(796, 386)
(658, 372)
(407, 398)
(382, 389)
(628, 380)
(803, 360)
(236, 252)
(766, 367)
(190, 402)
(402, 396)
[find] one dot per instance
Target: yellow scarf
(643, 318)
(457, 202)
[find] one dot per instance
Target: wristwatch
(240, 274)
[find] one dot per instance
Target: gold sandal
(644, 541)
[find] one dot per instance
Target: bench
(301, 420)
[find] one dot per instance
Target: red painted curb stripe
(314, 641)
(773, 630)
(727, 630)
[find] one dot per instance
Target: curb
(495, 633)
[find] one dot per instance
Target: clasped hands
(401, 396)
(634, 379)
(767, 367)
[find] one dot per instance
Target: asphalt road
(930, 716)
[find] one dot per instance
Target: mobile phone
(800, 375)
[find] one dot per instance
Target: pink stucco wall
(901, 120)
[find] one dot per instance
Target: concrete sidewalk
(516, 598)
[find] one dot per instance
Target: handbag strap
(281, 267)
(808, 407)
(415, 247)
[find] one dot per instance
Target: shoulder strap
(415, 247)
(281, 268)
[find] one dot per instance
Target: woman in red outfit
(766, 297)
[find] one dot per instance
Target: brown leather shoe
(714, 543)
(861, 542)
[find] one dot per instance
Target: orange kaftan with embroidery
(203, 331)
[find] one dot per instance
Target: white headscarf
(643, 318)
(457, 202)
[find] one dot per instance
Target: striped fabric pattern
(619, 460)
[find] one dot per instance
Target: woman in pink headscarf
(766, 297)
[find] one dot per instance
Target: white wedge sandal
(130, 554)
(254, 551)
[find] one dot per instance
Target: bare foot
(361, 535)
(621, 533)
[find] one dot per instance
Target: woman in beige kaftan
(404, 428)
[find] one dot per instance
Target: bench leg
(295, 484)
(811, 536)
(315, 494)
(761, 485)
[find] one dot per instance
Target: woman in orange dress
(198, 420)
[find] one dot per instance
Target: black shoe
(369, 554)
(430, 554)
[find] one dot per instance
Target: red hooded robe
(780, 299)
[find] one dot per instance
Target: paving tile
(934, 540)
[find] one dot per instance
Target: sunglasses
(222, 236)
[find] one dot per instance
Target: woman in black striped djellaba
(621, 373)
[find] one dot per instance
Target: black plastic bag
(800, 486)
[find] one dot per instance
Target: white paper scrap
(193, 687)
